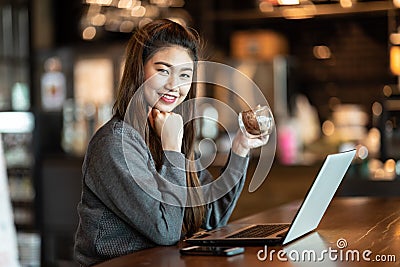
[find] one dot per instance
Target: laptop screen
(320, 194)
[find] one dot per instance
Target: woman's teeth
(169, 97)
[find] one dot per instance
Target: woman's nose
(172, 83)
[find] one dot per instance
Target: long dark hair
(144, 43)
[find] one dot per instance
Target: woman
(126, 203)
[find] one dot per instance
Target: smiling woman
(146, 142)
(168, 77)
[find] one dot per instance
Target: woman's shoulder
(111, 143)
(114, 132)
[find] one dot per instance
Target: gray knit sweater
(117, 216)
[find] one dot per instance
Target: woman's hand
(169, 127)
(241, 145)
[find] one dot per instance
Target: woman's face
(168, 77)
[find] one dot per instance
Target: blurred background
(328, 68)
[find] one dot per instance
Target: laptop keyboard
(260, 230)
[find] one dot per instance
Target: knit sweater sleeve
(123, 176)
(226, 191)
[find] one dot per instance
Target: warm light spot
(328, 128)
(375, 134)
(138, 11)
(322, 52)
(288, 2)
(373, 141)
(346, 3)
(266, 7)
(89, 33)
(395, 60)
(395, 38)
(390, 165)
(377, 108)
(126, 3)
(387, 90)
(390, 169)
(99, 20)
(305, 10)
(396, 3)
(104, 2)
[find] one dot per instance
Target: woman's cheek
(156, 83)
(186, 90)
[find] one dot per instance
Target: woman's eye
(163, 71)
(186, 76)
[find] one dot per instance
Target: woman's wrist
(172, 147)
(239, 149)
(241, 145)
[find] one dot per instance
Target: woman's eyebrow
(170, 65)
(163, 63)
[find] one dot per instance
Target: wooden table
(357, 231)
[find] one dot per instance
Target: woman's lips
(169, 99)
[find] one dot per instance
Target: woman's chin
(165, 108)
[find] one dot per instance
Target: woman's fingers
(254, 143)
(155, 118)
(169, 127)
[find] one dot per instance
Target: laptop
(306, 219)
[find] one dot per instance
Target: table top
(355, 231)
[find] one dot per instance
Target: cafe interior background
(328, 68)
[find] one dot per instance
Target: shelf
(317, 10)
(363, 187)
